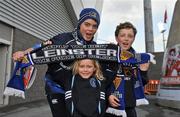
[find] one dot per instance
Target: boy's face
(88, 28)
(86, 68)
(125, 38)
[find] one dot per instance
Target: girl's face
(125, 38)
(88, 28)
(86, 68)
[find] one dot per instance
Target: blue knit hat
(88, 13)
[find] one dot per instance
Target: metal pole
(163, 41)
(148, 23)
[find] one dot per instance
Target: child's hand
(144, 66)
(17, 56)
(114, 101)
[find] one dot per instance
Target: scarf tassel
(10, 91)
(142, 101)
(116, 112)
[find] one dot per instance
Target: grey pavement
(41, 109)
(154, 110)
(33, 109)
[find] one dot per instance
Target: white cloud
(158, 6)
(121, 10)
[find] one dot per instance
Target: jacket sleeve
(144, 76)
(109, 72)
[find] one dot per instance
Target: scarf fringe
(142, 101)
(14, 92)
(116, 112)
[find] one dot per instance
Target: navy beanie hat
(89, 13)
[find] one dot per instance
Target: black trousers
(57, 105)
(130, 111)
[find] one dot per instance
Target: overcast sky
(116, 11)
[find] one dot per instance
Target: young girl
(85, 89)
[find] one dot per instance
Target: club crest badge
(93, 14)
(117, 82)
(128, 71)
(92, 82)
(29, 76)
(124, 55)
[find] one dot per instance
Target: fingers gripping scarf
(118, 91)
(58, 53)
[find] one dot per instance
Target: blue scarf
(23, 77)
(118, 84)
(16, 85)
(118, 91)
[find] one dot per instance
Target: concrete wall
(22, 41)
(174, 34)
(41, 18)
(154, 72)
(173, 39)
(24, 23)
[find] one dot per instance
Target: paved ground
(153, 110)
(41, 109)
(35, 109)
